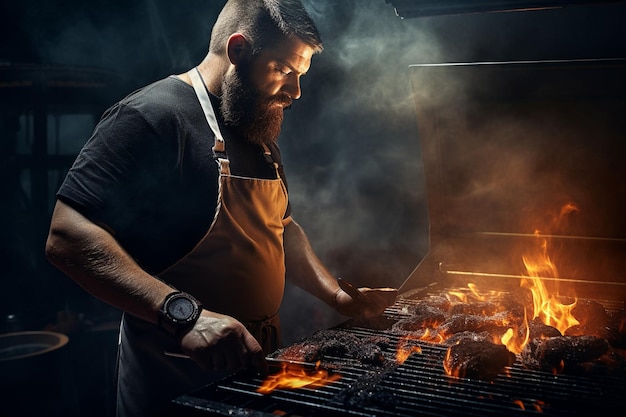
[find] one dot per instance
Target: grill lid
(422, 8)
(506, 146)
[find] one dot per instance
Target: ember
(294, 376)
(405, 349)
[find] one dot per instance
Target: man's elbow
(54, 247)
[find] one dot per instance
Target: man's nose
(292, 87)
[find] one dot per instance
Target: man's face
(256, 92)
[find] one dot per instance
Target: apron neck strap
(207, 107)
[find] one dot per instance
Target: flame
(546, 305)
(295, 376)
(512, 338)
(404, 349)
(447, 369)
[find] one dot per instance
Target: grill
(418, 386)
(502, 144)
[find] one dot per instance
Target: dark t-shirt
(148, 172)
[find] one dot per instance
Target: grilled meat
(617, 329)
(539, 330)
(424, 316)
(496, 325)
(558, 354)
(483, 308)
(593, 318)
(326, 344)
(479, 359)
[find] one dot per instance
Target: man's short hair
(264, 23)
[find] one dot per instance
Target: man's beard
(247, 112)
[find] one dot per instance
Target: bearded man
(176, 212)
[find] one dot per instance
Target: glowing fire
(515, 339)
(406, 349)
(547, 305)
(294, 376)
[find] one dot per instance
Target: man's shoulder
(167, 93)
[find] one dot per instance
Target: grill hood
(422, 8)
(507, 145)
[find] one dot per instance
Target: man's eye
(282, 72)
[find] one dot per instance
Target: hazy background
(349, 145)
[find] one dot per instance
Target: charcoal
(477, 359)
(558, 354)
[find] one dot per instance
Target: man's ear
(236, 48)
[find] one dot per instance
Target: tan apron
(236, 269)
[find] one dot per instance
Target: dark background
(350, 144)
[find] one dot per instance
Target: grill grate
(418, 386)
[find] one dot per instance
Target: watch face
(181, 308)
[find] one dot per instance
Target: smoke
(350, 145)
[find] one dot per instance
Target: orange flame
(546, 305)
(404, 349)
(512, 338)
(295, 376)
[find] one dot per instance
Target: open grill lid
(422, 8)
(505, 147)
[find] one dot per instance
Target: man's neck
(212, 68)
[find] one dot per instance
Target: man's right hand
(220, 343)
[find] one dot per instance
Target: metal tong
(352, 291)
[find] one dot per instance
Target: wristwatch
(179, 312)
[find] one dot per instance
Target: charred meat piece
(477, 359)
(609, 364)
(473, 336)
(517, 301)
(483, 308)
(593, 319)
(558, 354)
(381, 341)
(330, 344)
(617, 329)
(424, 316)
(434, 301)
(539, 330)
(495, 325)
(369, 353)
(300, 352)
(367, 392)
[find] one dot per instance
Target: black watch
(179, 313)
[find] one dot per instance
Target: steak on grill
(479, 359)
(558, 354)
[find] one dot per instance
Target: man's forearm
(92, 257)
(304, 269)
